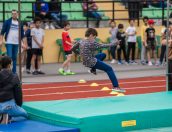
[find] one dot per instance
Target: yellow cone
(105, 89)
(94, 85)
(113, 92)
(121, 94)
(81, 81)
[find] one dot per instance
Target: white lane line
(56, 93)
(30, 89)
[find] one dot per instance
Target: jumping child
(87, 48)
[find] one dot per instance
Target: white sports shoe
(149, 63)
(113, 61)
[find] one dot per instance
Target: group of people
(50, 12)
(32, 40)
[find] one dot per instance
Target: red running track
(75, 90)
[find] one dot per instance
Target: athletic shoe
(118, 89)
(35, 73)
(28, 71)
(4, 119)
(119, 63)
(93, 71)
(149, 63)
(62, 72)
(70, 73)
(40, 72)
(113, 61)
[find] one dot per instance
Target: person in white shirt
(37, 45)
(131, 34)
(10, 31)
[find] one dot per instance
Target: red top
(66, 37)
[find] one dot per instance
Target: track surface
(75, 90)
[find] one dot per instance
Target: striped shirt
(87, 51)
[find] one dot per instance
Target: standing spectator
(150, 39)
(90, 10)
(10, 94)
(37, 46)
(122, 44)
(67, 46)
(41, 10)
(131, 33)
(55, 11)
(113, 31)
(10, 30)
(143, 49)
(163, 44)
(28, 38)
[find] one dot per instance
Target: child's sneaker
(70, 73)
(149, 63)
(118, 89)
(4, 119)
(119, 63)
(93, 71)
(61, 71)
(113, 61)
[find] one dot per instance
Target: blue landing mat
(34, 126)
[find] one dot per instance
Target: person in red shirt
(67, 46)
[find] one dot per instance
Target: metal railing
(113, 10)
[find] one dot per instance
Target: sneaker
(40, 72)
(28, 71)
(92, 71)
(149, 63)
(61, 71)
(118, 89)
(35, 73)
(119, 63)
(126, 63)
(4, 119)
(113, 61)
(70, 73)
(133, 62)
(143, 62)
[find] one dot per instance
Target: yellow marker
(94, 85)
(113, 92)
(81, 81)
(121, 94)
(105, 89)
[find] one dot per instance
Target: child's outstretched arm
(98, 45)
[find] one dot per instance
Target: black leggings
(131, 46)
(113, 52)
(122, 48)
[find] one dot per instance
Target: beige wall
(51, 49)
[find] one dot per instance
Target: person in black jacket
(121, 36)
(10, 93)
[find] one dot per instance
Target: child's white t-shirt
(131, 30)
(38, 33)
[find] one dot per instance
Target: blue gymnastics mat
(34, 126)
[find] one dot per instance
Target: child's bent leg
(101, 56)
(108, 69)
